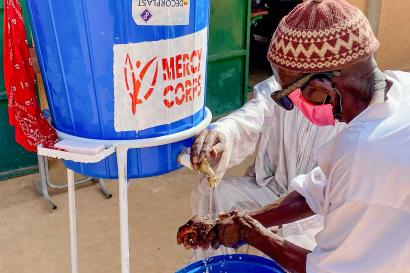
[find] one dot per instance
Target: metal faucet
(204, 167)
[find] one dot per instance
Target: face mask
(320, 115)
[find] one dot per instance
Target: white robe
(285, 143)
(362, 188)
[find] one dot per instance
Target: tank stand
(122, 158)
(121, 149)
(44, 184)
(43, 154)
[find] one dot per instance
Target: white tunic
(285, 143)
(362, 188)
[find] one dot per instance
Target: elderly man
(285, 143)
(322, 53)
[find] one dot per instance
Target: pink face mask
(320, 115)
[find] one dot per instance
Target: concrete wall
(392, 24)
(394, 35)
(361, 4)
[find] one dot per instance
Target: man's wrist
(259, 238)
(289, 256)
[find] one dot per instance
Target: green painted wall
(228, 61)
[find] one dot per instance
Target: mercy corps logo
(183, 70)
(159, 82)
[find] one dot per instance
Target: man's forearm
(290, 257)
(290, 208)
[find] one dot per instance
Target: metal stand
(43, 153)
(121, 148)
(73, 220)
(122, 155)
(45, 183)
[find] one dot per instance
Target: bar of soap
(79, 147)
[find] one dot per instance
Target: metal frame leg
(103, 189)
(123, 204)
(45, 183)
(73, 220)
(43, 187)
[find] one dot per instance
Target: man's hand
(235, 229)
(209, 143)
(198, 232)
(232, 230)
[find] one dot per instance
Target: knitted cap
(322, 35)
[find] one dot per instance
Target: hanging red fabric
(31, 128)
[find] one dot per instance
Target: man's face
(315, 91)
(316, 97)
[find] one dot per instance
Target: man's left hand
(236, 229)
(198, 232)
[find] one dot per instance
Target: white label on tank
(161, 12)
(159, 82)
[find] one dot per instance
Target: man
(361, 184)
(284, 142)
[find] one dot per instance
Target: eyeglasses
(281, 96)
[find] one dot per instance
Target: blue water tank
(238, 263)
(124, 70)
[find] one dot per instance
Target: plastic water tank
(237, 263)
(119, 70)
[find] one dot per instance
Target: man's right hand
(235, 229)
(231, 229)
(209, 143)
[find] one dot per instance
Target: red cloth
(31, 128)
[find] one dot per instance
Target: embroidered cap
(322, 35)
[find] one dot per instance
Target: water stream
(211, 213)
(205, 254)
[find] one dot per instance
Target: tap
(204, 167)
